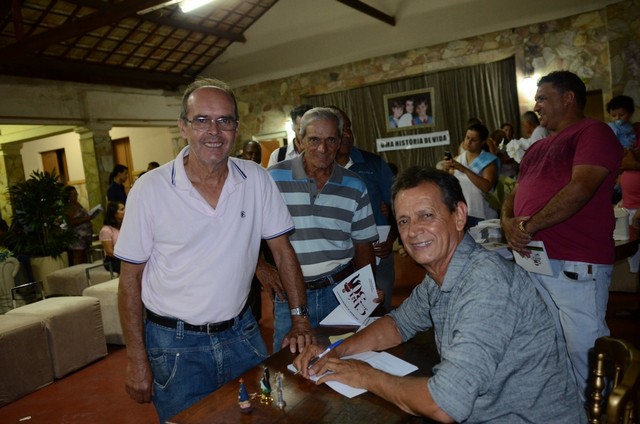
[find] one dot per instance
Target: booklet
(537, 262)
(355, 297)
(96, 210)
(380, 360)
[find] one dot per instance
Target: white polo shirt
(200, 261)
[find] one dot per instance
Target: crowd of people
(205, 233)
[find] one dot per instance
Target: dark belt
(328, 280)
(210, 328)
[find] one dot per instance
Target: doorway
(122, 156)
(55, 161)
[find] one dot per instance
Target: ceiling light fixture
(157, 7)
(189, 5)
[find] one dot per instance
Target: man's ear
(183, 128)
(568, 97)
(461, 215)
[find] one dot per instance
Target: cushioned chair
(74, 330)
(617, 367)
(107, 294)
(8, 270)
(72, 280)
(25, 363)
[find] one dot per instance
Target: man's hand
(139, 380)
(351, 372)
(383, 249)
(270, 279)
(300, 335)
(380, 298)
(385, 210)
(516, 239)
(302, 361)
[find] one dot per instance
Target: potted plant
(39, 222)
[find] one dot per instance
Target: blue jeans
(320, 303)
(577, 300)
(188, 365)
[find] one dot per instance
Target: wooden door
(55, 161)
(268, 146)
(122, 155)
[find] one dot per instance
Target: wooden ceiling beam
(369, 10)
(65, 70)
(18, 25)
(75, 28)
(153, 17)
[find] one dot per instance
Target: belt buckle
(210, 329)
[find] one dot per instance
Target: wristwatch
(300, 311)
(522, 227)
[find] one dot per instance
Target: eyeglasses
(315, 142)
(225, 123)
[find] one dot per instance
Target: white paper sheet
(380, 360)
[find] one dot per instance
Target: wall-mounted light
(189, 5)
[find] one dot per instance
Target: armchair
(617, 362)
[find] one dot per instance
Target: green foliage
(39, 212)
(5, 253)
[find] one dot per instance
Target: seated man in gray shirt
(501, 358)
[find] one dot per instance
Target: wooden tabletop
(306, 402)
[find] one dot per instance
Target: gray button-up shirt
(502, 360)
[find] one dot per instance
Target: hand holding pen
(316, 358)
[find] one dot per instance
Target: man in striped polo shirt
(334, 223)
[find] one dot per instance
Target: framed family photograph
(409, 109)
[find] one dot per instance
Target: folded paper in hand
(538, 261)
(355, 295)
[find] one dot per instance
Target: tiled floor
(95, 394)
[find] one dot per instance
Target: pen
(332, 346)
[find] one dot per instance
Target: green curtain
(486, 91)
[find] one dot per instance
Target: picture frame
(402, 109)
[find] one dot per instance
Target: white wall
(70, 142)
(147, 145)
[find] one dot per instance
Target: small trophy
(265, 387)
(280, 403)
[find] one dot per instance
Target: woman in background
(477, 170)
(78, 219)
(109, 232)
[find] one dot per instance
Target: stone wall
(580, 43)
(624, 47)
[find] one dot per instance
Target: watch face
(300, 310)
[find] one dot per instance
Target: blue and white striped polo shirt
(328, 222)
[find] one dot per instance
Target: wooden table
(306, 402)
